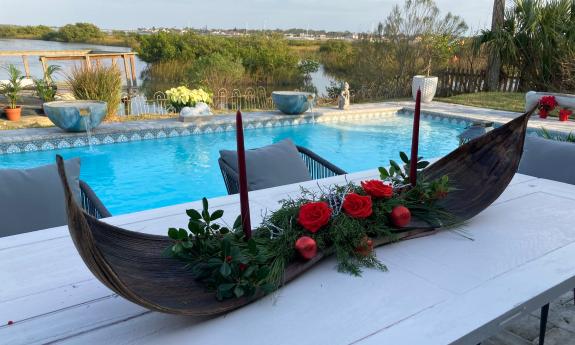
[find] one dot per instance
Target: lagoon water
(36, 67)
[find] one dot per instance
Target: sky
(332, 15)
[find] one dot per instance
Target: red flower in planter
(564, 114)
(546, 105)
(357, 206)
(313, 215)
(377, 189)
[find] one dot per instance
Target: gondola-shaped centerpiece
(209, 269)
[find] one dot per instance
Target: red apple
(400, 216)
(306, 247)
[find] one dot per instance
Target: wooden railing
(457, 81)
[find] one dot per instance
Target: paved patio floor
(525, 330)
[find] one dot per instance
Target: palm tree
(494, 66)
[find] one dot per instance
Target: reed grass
(98, 83)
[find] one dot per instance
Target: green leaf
(206, 216)
(238, 291)
(422, 165)
(173, 233)
(187, 244)
(194, 226)
(403, 157)
(394, 165)
(238, 222)
(177, 248)
(182, 234)
(225, 270)
(383, 174)
(224, 231)
(252, 246)
(226, 287)
(217, 214)
(249, 271)
(194, 214)
(205, 204)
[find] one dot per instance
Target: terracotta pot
(13, 114)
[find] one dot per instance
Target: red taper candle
(244, 202)
(415, 140)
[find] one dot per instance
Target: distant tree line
(78, 32)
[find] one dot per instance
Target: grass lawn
(510, 101)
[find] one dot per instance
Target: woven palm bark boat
(134, 266)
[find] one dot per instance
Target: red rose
(357, 206)
(543, 113)
(377, 189)
(313, 215)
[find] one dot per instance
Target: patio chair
(31, 199)
(275, 165)
(551, 160)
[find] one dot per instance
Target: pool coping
(44, 139)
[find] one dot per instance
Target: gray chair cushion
(270, 166)
(33, 199)
(548, 159)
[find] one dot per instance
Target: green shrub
(100, 83)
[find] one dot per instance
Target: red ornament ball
(400, 216)
(306, 247)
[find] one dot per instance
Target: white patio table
(440, 289)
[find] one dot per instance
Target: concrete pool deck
(42, 139)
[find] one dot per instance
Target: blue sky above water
(338, 15)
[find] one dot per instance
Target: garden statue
(343, 99)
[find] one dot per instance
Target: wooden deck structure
(88, 56)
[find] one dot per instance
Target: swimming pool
(140, 175)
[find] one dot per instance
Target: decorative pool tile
(47, 146)
(63, 144)
(78, 143)
(30, 148)
(148, 136)
(135, 137)
(13, 149)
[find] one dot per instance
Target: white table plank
(426, 274)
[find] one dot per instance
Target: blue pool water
(141, 175)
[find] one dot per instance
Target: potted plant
(546, 105)
(11, 90)
(434, 48)
(564, 114)
(46, 88)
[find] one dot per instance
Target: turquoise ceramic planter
(292, 102)
(72, 116)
